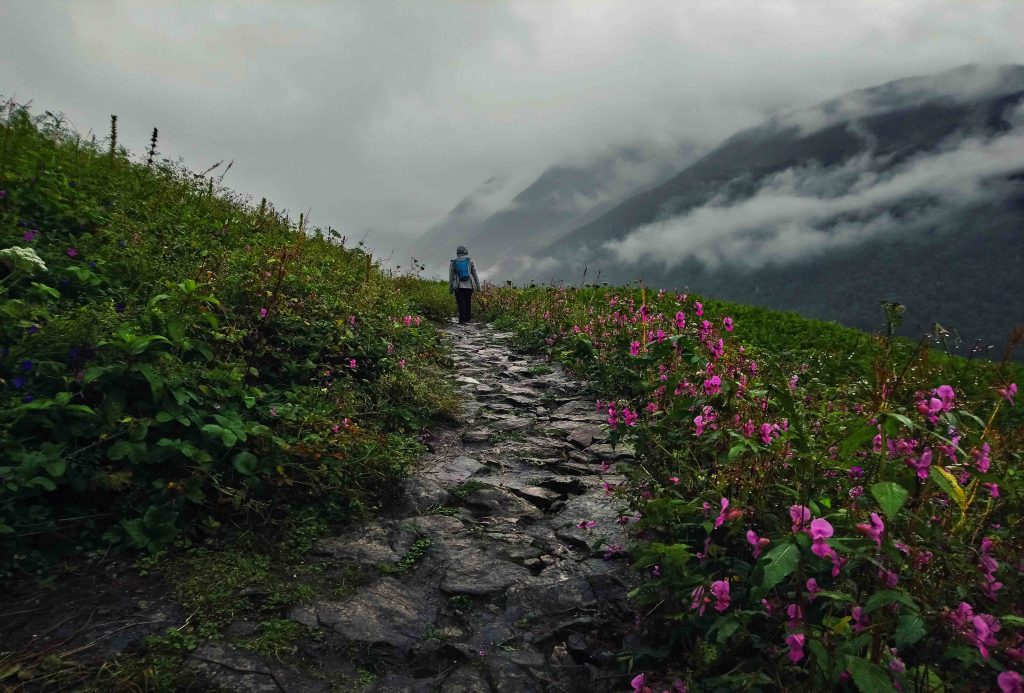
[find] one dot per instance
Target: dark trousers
(464, 300)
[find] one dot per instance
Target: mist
(379, 117)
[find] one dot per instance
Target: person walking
(462, 280)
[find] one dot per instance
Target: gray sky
(384, 114)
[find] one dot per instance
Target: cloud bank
(805, 211)
(384, 115)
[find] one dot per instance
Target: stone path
(494, 585)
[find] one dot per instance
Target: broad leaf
(890, 496)
(870, 678)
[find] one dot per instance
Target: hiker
(462, 280)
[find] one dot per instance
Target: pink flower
(674, 480)
(812, 587)
(874, 530)
(921, 464)
(263, 312)
(634, 348)
(1007, 393)
(859, 618)
(720, 590)
(721, 516)
(766, 433)
(796, 646)
(31, 236)
(698, 308)
(820, 531)
(993, 489)
(351, 363)
(758, 543)
(698, 422)
(981, 458)
(727, 321)
(800, 515)
(713, 385)
(72, 252)
(1010, 682)
(637, 683)
(587, 524)
(629, 417)
(697, 600)
(680, 320)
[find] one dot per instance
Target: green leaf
(779, 563)
(55, 468)
(870, 678)
(948, 483)
(886, 597)
(1012, 620)
(245, 463)
(890, 496)
(909, 630)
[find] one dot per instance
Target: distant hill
(910, 191)
(562, 198)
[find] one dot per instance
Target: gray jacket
(453, 276)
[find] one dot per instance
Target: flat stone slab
(514, 423)
(607, 452)
(229, 668)
(387, 612)
(369, 545)
(496, 502)
(481, 575)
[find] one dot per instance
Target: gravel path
(488, 583)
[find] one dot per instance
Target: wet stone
(229, 668)
(466, 679)
(387, 613)
(495, 502)
(481, 575)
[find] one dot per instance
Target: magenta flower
(859, 618)
(820, 531)
(727, 322)
(1008, 392)
(766, 433)
(812, 587)
(1010, 682)
(637, 683)
(758, 543)
(698, 308)
(800, 515)
(674, 480)
(30, 235)
(921, 464)
(796, 646)
(699, 423)
(874, 530)
(993, 489)
(680, 320)
(713, 385)
(629, 417)
(698, 601)
(634, 348)
(720, 591)
(981, 458)
(72, 252)
(351, 363)
(721, 516)
(587, 524)
(263, 312)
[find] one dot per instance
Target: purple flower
(26, 365)
(30, 235)
(72, 252)
(874, 530)
(921, 464)
(720, 590)
(1010, 682)
(18, 382)
(796, 646)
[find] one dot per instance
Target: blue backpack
(462, 268)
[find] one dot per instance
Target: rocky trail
(507, 593)
(500, 569)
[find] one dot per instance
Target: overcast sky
(384, 114)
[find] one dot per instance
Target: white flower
(24, 259)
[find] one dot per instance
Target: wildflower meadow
(812, 507)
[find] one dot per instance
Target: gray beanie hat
(461, 250)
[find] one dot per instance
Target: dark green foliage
(185, 356)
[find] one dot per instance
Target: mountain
(910, 191)
(563, 197)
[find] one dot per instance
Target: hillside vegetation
(175, 357)
(812, 507)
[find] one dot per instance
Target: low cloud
(805, 211)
